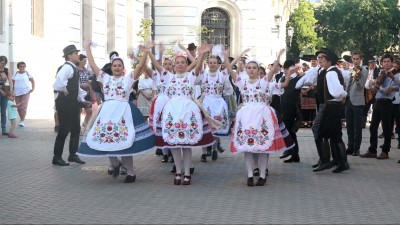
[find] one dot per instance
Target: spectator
(24, 85)
(6, 85)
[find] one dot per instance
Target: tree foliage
(305, 39)
(367, 25)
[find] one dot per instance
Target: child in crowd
(12, 112)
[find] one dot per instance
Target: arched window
(218, 20)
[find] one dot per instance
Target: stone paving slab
(34, 191)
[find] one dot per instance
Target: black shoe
(173, 169)
(214, 155)
(341, 168)
(109, 172)
(60, 162)
(209, 149)
(130, 179)
(116, 171)
(123, 170)
(380, 136)
(219, 148)
(398, 161)
(285, 154)
(349, 152)
(261, 181)
(250, 181)
(256, 172)
(356, 153)
(75, 158)
(192, 170)
(159, 151)
(203, 158)
(398, 146)
(165, 159)
(266, 172)
(293, 158)
(315, 165)
(323, 166)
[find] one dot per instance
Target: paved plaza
(34, 191)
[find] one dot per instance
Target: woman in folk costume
(256, 128)
(119, 128)
(183, 123)
(213, 83)
(162, 97)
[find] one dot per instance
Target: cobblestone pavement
(34, 191)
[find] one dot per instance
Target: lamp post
(277, 19)
(290, 32)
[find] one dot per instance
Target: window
(37, 18)
(218, 20)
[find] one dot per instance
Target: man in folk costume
(369, 94)
(355, 102)
(67, 101)
(290, 103)
(386, 86)
(330, 89)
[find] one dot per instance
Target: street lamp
(277, 19)
(290, 32)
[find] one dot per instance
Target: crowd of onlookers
(15, 91)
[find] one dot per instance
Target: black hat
(69, 49)
(313, 57)
(331, 56)
(191, 47)
(372, 60)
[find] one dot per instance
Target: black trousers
(288, 118)
(331, 125)
(354, 120)
(382, 111)
(69, 122)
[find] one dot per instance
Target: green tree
(305, 39)
(367, 25)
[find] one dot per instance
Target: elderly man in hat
(330, 91)
(68, 99)
(192, 48)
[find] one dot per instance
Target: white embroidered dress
(256, 128)
(213, 86)
(161, 82)
(182, 121)
(113, 129)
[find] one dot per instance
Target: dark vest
(291, 96)
(326, 93)
(72, 85)
(320, 86)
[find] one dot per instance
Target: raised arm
(239, 56)
(190, 57)
(276, 65)
(143, 59)
(93, 65)
(155, 63)
(203, 49)
(229, 66)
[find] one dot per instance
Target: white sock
(263, 162)
(204, 150)
(127, 161)
(113, 162)
(187, 160)
(248, 158)
(255, 158)
(165, 151)
(177, 154)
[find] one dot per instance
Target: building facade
(36, 31)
